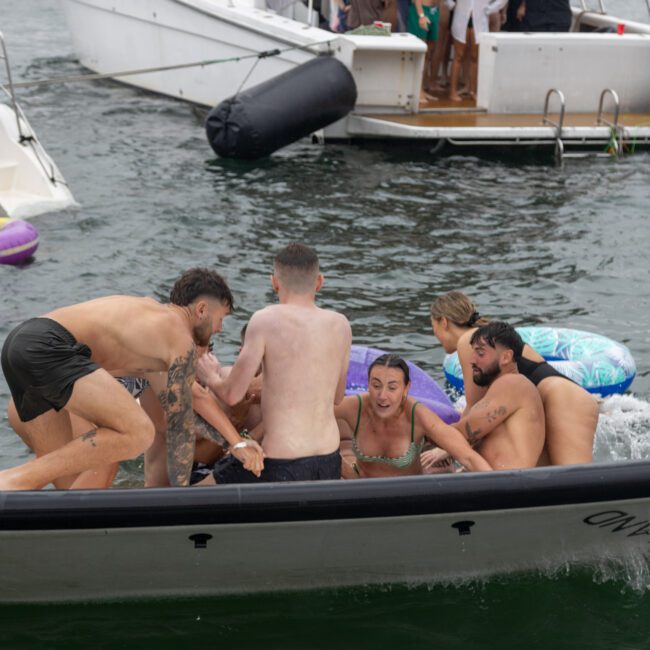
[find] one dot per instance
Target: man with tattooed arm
(507, 425)
(60, 364)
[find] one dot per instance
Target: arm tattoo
(203, 429)
(90, 437)
(472, 435)
(177, 402)
(496, 414)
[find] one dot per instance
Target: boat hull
(117, 544)
(117, 36)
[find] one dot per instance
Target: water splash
(633, 571)
(623, 428)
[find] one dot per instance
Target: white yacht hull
(117, 544)
(515, 71)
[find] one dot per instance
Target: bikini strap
(413, 421)
(356, 428)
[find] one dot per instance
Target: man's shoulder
(510, 381)
(335, 316)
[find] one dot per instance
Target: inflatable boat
(132, 543)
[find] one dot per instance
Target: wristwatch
(420, 15)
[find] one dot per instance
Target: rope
(164, 68)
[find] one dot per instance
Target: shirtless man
(304, 351)
(59, 365)
(508, 423)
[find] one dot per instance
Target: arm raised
(233, 388)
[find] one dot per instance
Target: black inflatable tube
(540, 487)
(273, 114)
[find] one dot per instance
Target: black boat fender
(262, 119)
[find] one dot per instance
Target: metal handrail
(617, 106)
(10, 90)
(613, 125)
(557, 125)
(559, 145)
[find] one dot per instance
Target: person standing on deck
(365, 12)
(471, 18)
(304, 352)
(545, 15)
(59, 364)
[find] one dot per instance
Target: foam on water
(623, 428)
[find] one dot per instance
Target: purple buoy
(18, 241)
(423, 388)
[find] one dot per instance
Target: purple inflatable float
(423, 388)
(18, 241)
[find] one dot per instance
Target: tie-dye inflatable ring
(595, 362)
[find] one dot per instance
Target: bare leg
(571, 421)
(459, 53)
(98, 477)
(429, 76)
(441, 51)
(473, 63)
(44, 434)
(123, 431)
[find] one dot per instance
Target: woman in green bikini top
(383, 431)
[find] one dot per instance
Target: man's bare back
(304, 352)
(305, 363)
(131, 334)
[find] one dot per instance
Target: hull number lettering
(619, 521)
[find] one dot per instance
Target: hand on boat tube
(251, 456)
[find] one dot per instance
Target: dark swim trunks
(310, 468)
(41, 361)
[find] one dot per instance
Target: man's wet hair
(502, 333)
(200, 283)
(297, 266)
(391, 361)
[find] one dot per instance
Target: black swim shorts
(310, 468)
(41, 361)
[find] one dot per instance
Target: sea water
(530, 242)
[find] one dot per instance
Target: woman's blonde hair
(457, 308)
